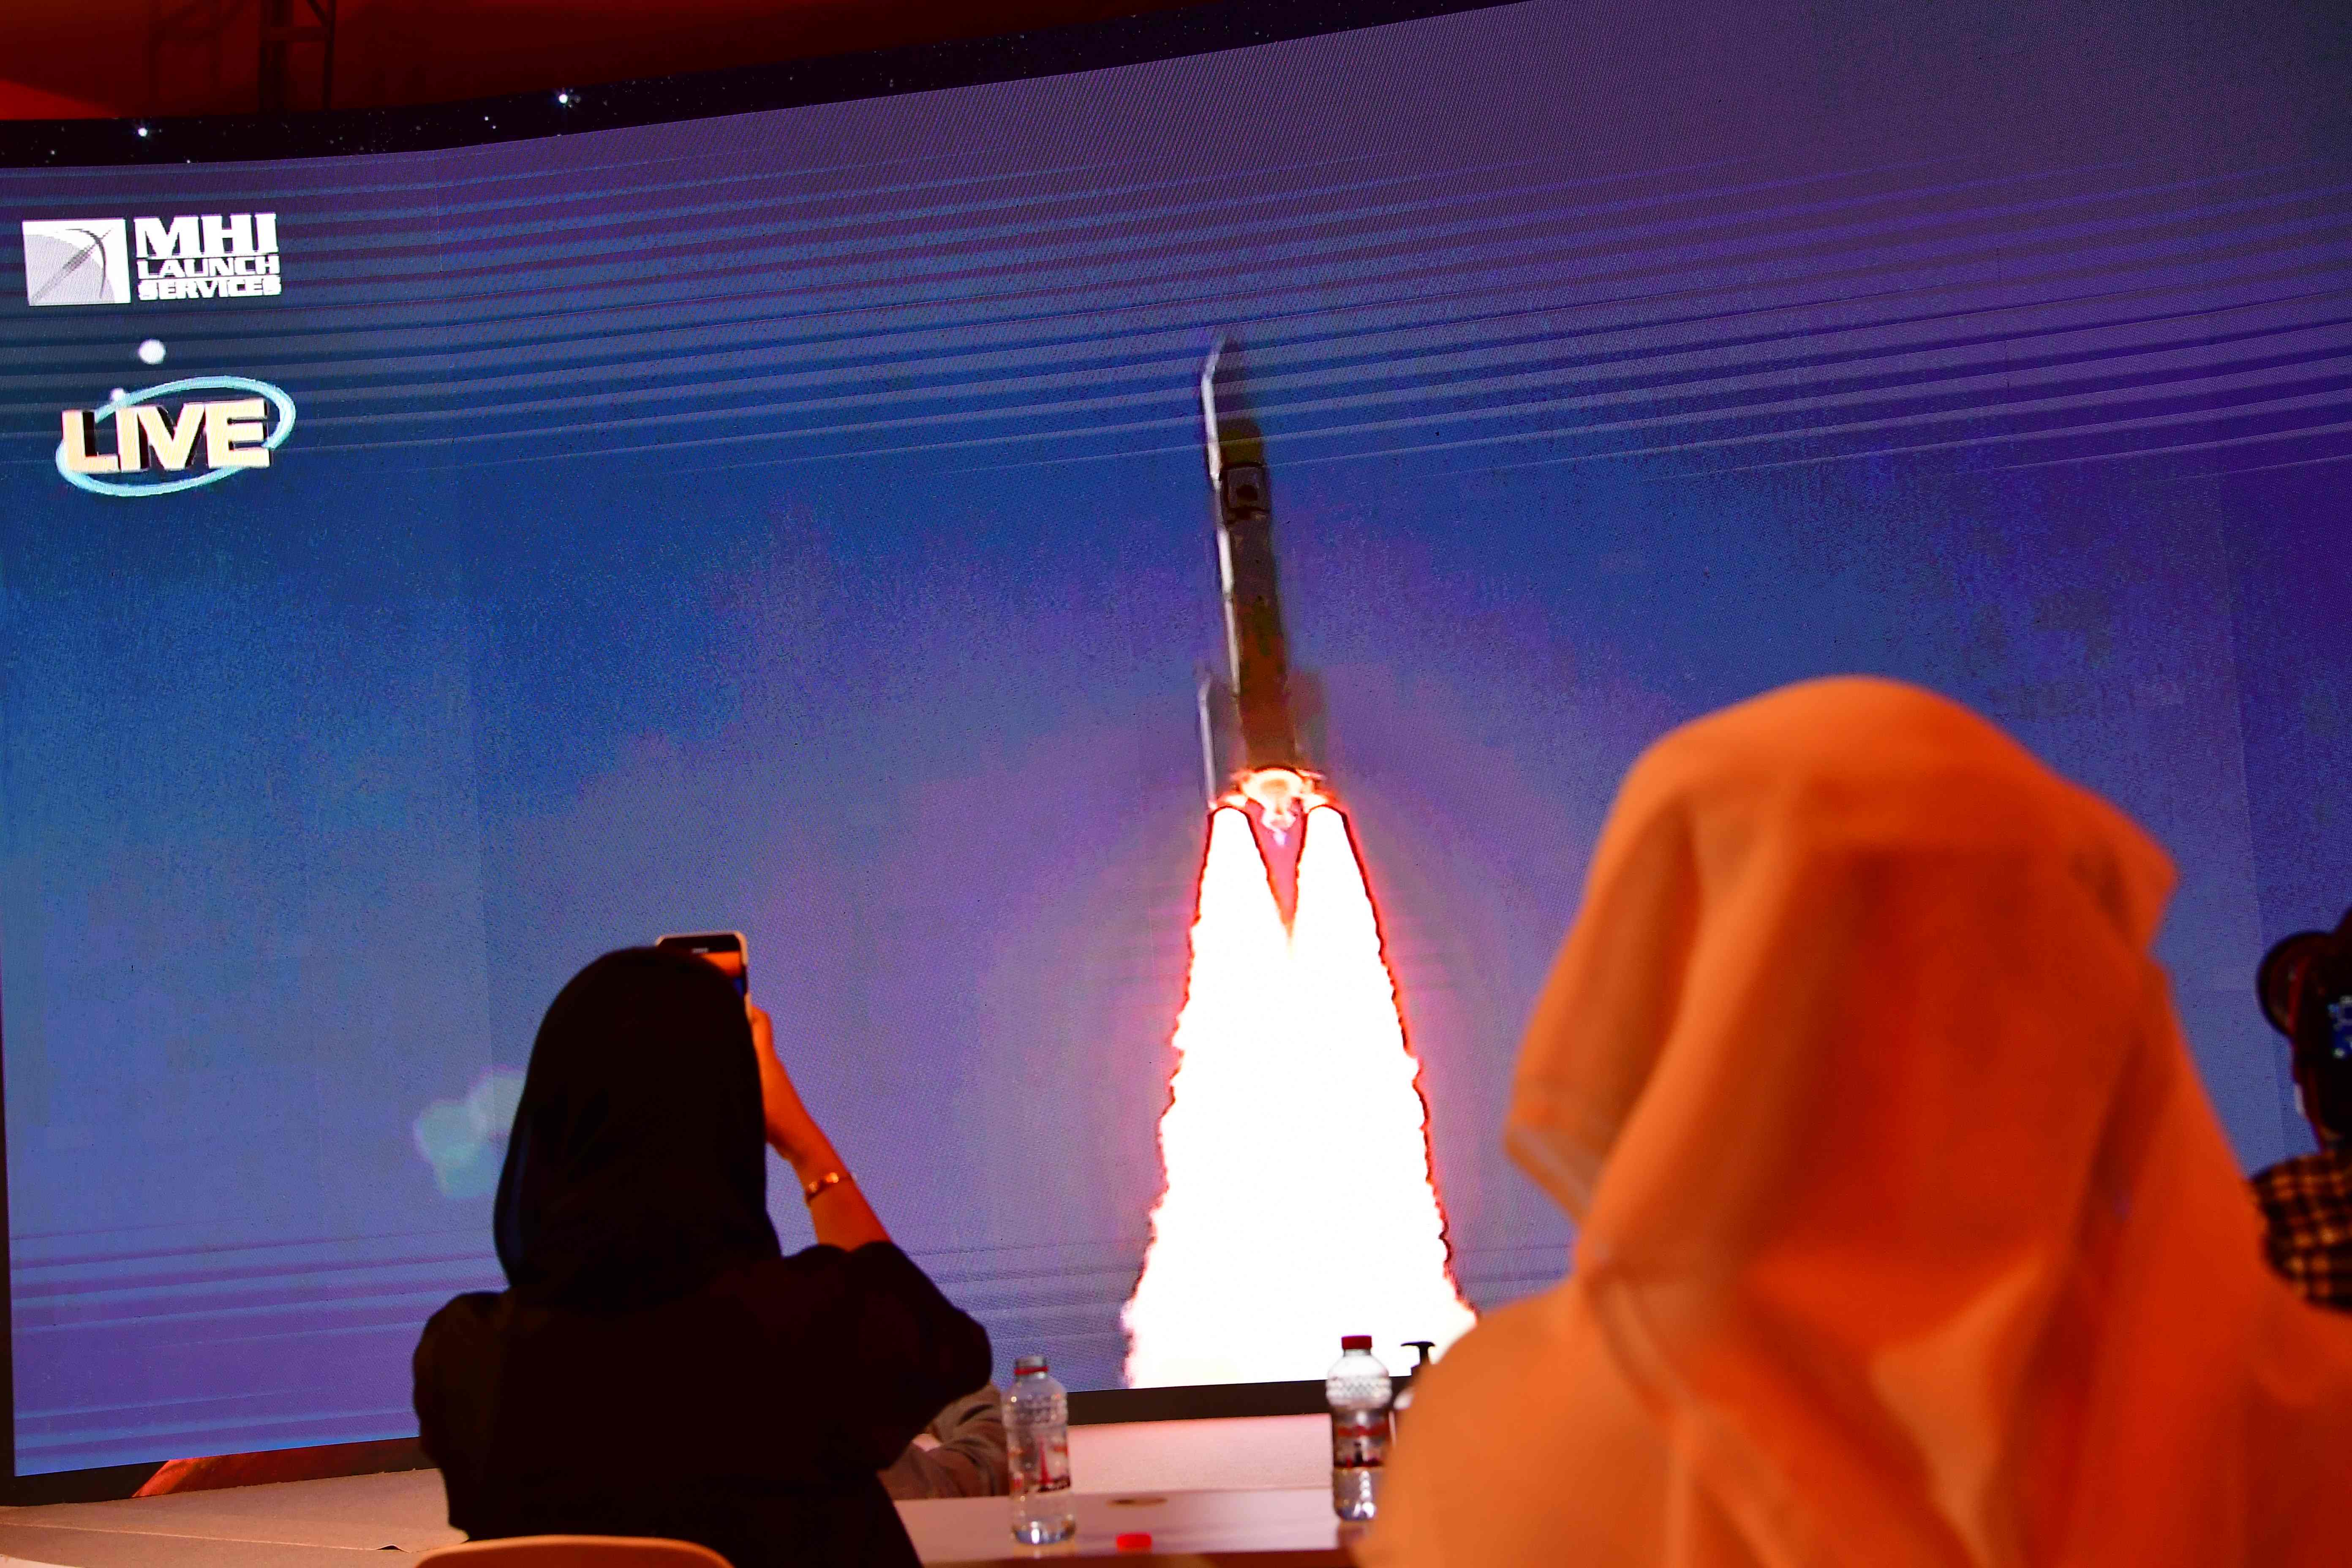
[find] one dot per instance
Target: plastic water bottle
(1359, 1392)
(1037, 1441)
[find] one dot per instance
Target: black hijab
(638, 1167)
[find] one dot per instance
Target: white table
(1285, 1527)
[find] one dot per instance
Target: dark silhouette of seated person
(2306, 989)
(657, 1367)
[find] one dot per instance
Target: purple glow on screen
(794, 524)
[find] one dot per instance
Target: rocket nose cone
(1229, 419)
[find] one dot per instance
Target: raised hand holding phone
(725, 951)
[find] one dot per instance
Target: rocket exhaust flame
(1298, 1204)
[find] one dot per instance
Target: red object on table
(1134, 1541)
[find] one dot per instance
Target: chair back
(573, 1552)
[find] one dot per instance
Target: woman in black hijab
(657, 1366)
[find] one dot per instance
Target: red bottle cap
(1355, 1341)
(1134, 1541)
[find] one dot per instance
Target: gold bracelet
(810, 1190)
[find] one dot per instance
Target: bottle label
(1040, 1461)
(1360, 1439)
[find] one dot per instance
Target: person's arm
(970, 1458)
(838, 1209)
(455, 1384)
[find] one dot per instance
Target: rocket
(1250, 739)
(1257, 654)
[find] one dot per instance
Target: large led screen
(424, 572)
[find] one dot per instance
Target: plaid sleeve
(2306, 1205)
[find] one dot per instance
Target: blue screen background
(796, 522)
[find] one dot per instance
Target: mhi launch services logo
(113, 260)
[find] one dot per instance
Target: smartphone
(724, 948)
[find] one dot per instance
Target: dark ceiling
(80, 59)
